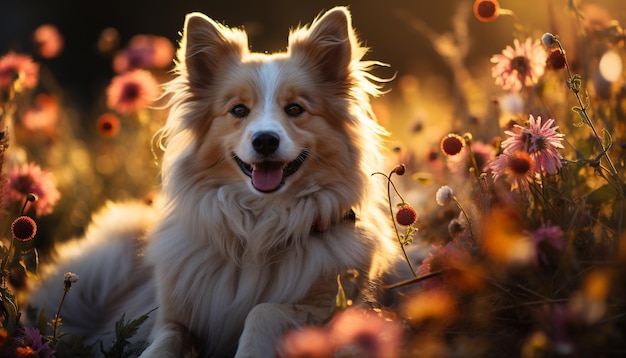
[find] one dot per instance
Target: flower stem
(583, 111)
(469, 224)
(395, 227)
(56, 320)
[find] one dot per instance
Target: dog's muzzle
(269, 176)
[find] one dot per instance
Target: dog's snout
(265, 143)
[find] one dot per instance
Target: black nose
(265, 143)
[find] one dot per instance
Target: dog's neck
(348, 217)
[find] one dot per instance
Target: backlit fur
(235, 267)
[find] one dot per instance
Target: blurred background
(385, 26)
(438, 53)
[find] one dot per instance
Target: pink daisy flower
(518, 166)
(132, 91)
(29, 178)
(540, 140)
(15, 66)
(48, 41)
(364, 333)
(146, 52)
(519, 66)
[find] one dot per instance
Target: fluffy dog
(267, 196)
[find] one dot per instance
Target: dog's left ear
(329, 44)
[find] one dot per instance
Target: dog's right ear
(204, 47)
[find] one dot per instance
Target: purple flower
(31, 339)
(547, 236)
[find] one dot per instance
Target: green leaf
(603, 194)
(9, 306)
(575, 83)
(581, 115)
(341, 301)
(123, 332)
(607, 140)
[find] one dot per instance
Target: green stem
(395, 227)
(56, 323)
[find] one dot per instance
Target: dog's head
(280, 124)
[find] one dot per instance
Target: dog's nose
(265, 143)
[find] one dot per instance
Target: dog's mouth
(268, 176)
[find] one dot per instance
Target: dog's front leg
(168, 341)
(267, 322)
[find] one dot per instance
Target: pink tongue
(267, 176)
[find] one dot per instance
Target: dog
(267, 195)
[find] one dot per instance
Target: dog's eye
(294, 109)
(240, 110)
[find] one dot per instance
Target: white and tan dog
(267, 196)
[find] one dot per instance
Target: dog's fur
(233, 258)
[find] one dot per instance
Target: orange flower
(486, 10)
(108, 125)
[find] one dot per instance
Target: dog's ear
(205, 46)
(329, 44)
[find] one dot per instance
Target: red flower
(406, 215)
(452, 144)
(23, 228)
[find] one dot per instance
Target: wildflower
(459, 165)
(48, 41)
(29, 343)
(406, 215)
(555, 60)
(108, 125)
(503, 238)
(518, 166)
(486, 10)
(144, 52)
(365, 333)
(589, 304)
(435, 307)
(23, 228)
(132, 91)
(519, 66)
(108, 40)
(543, 237)
(43, 116)
(548, 40)
(68, 279)
(308, 341)
(29, 178)
(21, 67)
(444, 195)
(540, 140)
(452, 144)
